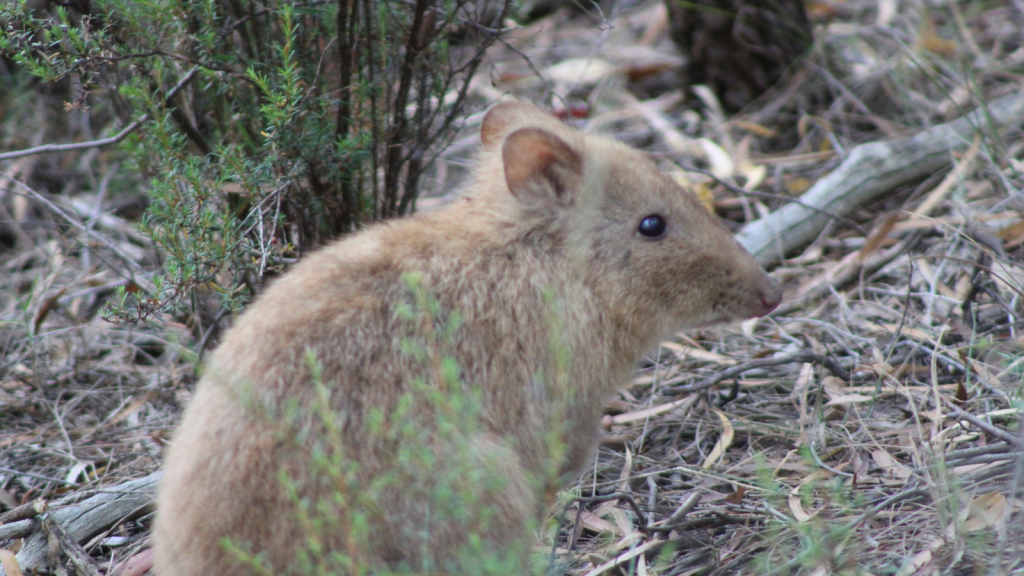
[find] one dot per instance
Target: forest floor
(870, 426)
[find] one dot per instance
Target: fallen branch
(45, 148)
(59, 541)
(24, 512)
(870, 171)
(845, 274)
(799, 357)
(86, 230)
(771, 196)
(985, 426)
(87, 518)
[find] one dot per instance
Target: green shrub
(269, 127)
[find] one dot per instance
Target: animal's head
(646, 245)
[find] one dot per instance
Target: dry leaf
(641, 566)
(699, 353)
(627, 540)
(1009, 277)
(137, 565)
(1012, 234)
(741, 150)
(915, 333)
(895, 473)
(640, 70)
(818, 10)
(986, 511)
(592, 522)
(624, 557)
(834, 387)
(796, 506)
(921, 559)
(44, 310)
(20, 208)
(579, 70)
(737, 496)
(754, 174)
(705, 195)
(720, 162)
(1001, 412)
(657, 25)
(938, 194)
(805, 379)
(724, 441)
(886, 11)
(929, 275)
(848, 399)
(930, 40)
(699, 189)
(961, 394)
(748, 326)
(627, 468)
(797, 186)
(10, 563)
(803, 383)
(960, 291)
(755, 128)
(803, 125)
(621, 520)
(878, 235)
(652, 411)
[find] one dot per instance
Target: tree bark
(739, 48)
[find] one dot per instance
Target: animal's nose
(770, 296)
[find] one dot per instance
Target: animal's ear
(541, 169)
(504, 117)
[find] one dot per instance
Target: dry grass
(870, 427)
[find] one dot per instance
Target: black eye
(652, 226)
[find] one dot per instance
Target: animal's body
(567, 257)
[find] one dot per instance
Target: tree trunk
(739, 48)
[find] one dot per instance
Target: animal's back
(352, 324)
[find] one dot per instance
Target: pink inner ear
(541, 169)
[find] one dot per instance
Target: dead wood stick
(91, 516)
(74, 551)
(45, 148)
(870, 171)
(24, 512)
(985, 426)
(103, 141)
(85, 230)
(845, 274)
(769, 195)
(683, 509)
(18, 529)
(799, 357)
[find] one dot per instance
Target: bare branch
(47, 148)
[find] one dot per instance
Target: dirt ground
(870, 426)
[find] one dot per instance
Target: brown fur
(541, 254)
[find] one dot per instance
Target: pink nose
(770, 297)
